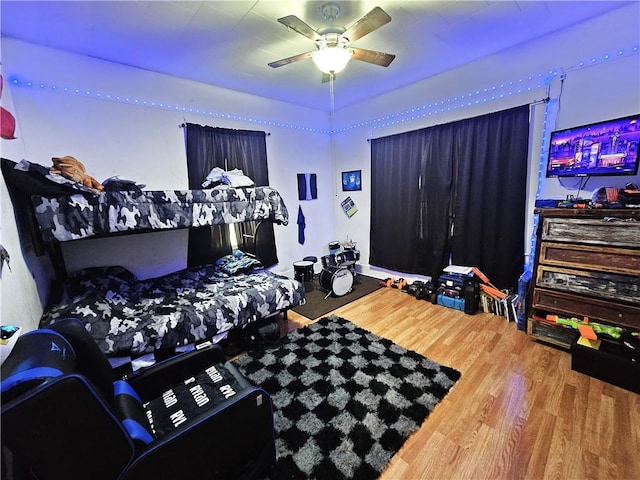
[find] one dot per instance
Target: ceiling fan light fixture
(331, 59)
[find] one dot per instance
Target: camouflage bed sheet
(71, 217)
(127, 316)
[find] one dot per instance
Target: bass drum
(337, 280)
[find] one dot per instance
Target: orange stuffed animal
(72, 169)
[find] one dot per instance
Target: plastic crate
(457, 303)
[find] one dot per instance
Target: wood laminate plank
(518, 411)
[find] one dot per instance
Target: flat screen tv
(604, 148)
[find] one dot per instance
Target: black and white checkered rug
(345, 400)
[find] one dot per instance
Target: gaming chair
(65, 415)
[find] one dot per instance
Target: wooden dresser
(587, 264)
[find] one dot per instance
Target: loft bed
(128, 316)
(77, 216)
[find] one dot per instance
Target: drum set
(338, 269)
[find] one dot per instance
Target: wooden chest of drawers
(587, 264)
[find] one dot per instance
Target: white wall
(591, 95)
(598, 90)
(145, 143)
(20, 302)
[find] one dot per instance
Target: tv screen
(604, 148)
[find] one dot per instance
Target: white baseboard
(368, 270)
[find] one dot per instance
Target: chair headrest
(37, 357)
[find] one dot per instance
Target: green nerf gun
(613, 332)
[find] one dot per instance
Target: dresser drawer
(555, 334)
(591, 257)
(563, 303)
(607, 286)
(595, 231)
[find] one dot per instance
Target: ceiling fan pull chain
(331, 77)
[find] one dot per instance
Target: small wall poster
(349, 207)
(307, 186)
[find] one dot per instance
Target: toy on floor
(71, 168)
(412, 288)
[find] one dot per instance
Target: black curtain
(395, 205)
(490, 196)
(452, 191)
(436, 200)
(411, 175)
(210, 147)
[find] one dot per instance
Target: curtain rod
(183, 125)
(534, 102)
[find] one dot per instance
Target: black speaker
(471, 296)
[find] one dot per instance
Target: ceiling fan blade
(297, 25)
(369, 56)
(367, 24)
(288, 60)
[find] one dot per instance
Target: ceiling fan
(333, 50)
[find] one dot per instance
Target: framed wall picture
(351, 181)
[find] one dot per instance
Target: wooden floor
(518, 411)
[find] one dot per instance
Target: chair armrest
(233, 437)
(150, 382)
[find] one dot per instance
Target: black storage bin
(606, 365)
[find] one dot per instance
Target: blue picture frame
(351, 181)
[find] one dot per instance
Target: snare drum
(303, 271)
(337, 280)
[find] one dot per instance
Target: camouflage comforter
(129, 316)
(71, 217)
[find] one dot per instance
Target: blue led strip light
(545, 138)
(541, 169)
(485, 95)
(477, 97)
(603, 58)
(154, 104)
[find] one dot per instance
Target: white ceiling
(230, 43)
